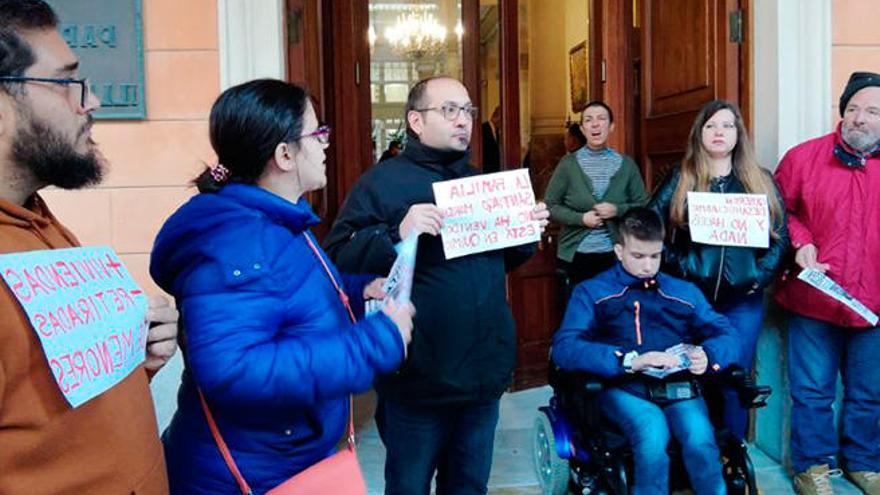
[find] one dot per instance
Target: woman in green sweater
(589, 190)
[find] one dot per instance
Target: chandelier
(416, 35)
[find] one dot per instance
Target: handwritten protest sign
(729, 219)
(88, 313)
(825, 284)
(398, 285)
(486, 212)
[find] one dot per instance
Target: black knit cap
(857, 81)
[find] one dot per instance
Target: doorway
(655, 67)
(689, 56)
(408, 42)
(555, 59)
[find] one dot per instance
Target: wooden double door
(656, 62)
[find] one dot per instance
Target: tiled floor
(512, 469)
(773, 480)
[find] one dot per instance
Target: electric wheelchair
(576, 450)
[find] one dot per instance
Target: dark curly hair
(18, 16)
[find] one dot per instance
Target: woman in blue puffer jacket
(265, 335)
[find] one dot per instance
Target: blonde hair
(695, 167)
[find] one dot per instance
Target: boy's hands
(699, 360)
(655, 359)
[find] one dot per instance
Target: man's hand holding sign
(423, 218)
(807, 257)
(162, 335)
(541, 214)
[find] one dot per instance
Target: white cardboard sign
(487, 212)
(729, 219)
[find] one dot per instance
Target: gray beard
(860, 141)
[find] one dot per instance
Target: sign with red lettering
(87, 311)
(729, 219)
(486, 212)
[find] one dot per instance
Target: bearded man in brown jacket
(109, 444)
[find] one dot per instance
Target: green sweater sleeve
(555, 193)
(635, 188)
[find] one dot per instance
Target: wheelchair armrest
(751, 395)
(756, 397)
(576, 392)
(735, 374)
(574, 380)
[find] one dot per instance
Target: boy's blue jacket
(266, 338)
(615, 313)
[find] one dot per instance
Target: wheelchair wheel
(552, 472)
(739, 474)
(751, 477)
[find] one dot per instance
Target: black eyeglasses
(451, 111)
(322, 134)
(84, 87)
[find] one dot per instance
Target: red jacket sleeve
(789, 180)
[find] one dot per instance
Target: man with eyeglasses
(439, 412)
(110, 443)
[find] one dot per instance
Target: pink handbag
(339, 474)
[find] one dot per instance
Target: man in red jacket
(831, 188)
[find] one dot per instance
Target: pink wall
(151, 161)
(856, 43)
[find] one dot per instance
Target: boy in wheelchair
(647, 335)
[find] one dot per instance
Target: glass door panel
(409, 41)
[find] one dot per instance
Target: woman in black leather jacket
(720, 159)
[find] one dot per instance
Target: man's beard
(51, 158)
(859, 140)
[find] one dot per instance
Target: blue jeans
(455, 440)
(746, 315)
(817, 351)
(647, 426)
